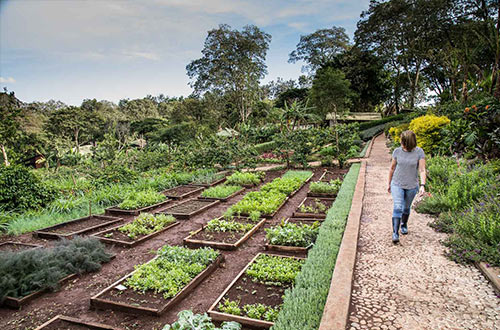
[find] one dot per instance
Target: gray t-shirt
(406, 173)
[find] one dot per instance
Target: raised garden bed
(223, 199)
(184, 191)
(221, 178)
(119, 297)
(325, 189)
(290, 239)
(115, 236)
(80, 227)
(327, 176)
(228, 240)
(17, 303)
(246, 290)
(16, 246)
(119, 211)
(70, 323)
(310, 207)
(189, 208)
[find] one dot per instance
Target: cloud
(8, 80)
(144, 55)
(298, 25)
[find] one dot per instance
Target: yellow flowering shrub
(396, 131)
(426, 129)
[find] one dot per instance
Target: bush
(367, 134)
(427, 129)
(303, 305)
(395, 132)
(373, 123)
(136, 200)
(22, 273)
(21, 190)
(265, 147)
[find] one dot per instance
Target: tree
(138, 109)
(330, 93)
(320, 47)
(9, 128)
(233, 62)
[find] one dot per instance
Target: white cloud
(298, 25)
(8, 80)
(144, 55)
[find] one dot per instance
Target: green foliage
(427, 129)
(221, 225)
(136, 200)
(244, 178)
(395, 132)
(145, 224)
(220, 191)
(174, 268)
(292, 234)
(229, 307)
(388, 119)
(465, 249)
(206, 177)
(303, 305)
(330, 188)
(262, 312)
(189, 321)
(22, 273)
(21, 190)
(265, 146)
(274, 269)
(317, 207)
(114, 174)
(369, 133)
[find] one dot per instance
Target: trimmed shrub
(374, 123)
(395, 132)
(427, 128)
(265, 147)
(303, 305)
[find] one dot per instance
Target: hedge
(265, 147)
(367, 134)
(373, 123)
(303, 305)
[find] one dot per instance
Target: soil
(180, 191)
(73, 299)
(120, 236)
(188, 207)
(13, 247)
(312, 202)
(230, 237)
(72, 227)
(248, 292)
(65, 325)
(334, 174)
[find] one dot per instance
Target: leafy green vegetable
(220, 225)
(330, 188)
(189, 321)
(229, 307)
(145, 224)
(136, 200)
(245, 178)
(274, 269)
(262, 312)
(292, 234)
(221, 191)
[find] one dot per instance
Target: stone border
(336, 312)
(491, 273)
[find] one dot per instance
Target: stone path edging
(336, 312)
(491, 273)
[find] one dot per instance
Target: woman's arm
(391, 172)
(423, 174)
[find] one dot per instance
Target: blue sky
(70, 50)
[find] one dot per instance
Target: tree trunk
(4, 153)
(76, 140)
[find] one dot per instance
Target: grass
(303, 306)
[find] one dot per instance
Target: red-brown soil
(73, 299)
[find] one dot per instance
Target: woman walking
(407, 161)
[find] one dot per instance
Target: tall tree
(319, 47)
(233, 63)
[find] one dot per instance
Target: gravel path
(411, 285)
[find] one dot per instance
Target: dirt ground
(73, 299)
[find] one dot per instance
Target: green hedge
(374, 123)
(303, 306)
(367, 134)
(265, 147)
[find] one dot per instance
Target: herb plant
(145, 224)
(207, 177)
(330, 188)
(317, 207)
(292, 234)
(221, 225)
(274, 269)
(136, 200)
(174, 268)
(262, 312)
(221, 191)
(230, 307)
(245, 178)
(189, 321)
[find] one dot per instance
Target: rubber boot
(404, 224)
(395, 229)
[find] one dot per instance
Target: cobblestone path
(411, 285)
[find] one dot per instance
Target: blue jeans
(402, 200)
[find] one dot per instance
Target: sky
(71, 50)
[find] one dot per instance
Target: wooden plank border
(196, 189)
(28, 245)
(336, 312)
(46, 232)
(297, 214)
(188, 241)
(186, 216)
(224, 199)
(89, 324)
(100, 303)
(116, 210)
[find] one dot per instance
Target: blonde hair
(408, 140)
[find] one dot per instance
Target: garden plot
(245, 179)
(221, 193)
(182, 191)
(161, 283)
(224, 234)
(324, 189)
(189, 208)
(16, 246)
(292, 235)
(139, 201)
(82, 226)
(144, 227)
(255, 296)
(313, 207)
(70, 323)
(330, 175)
(210, 180)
